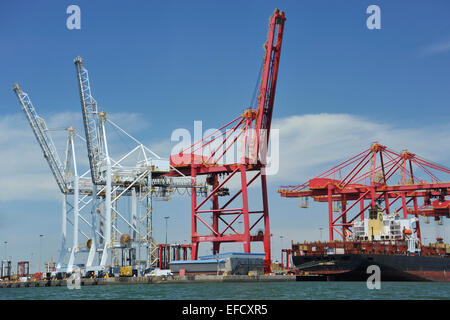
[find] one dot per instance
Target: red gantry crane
(249, 134)
(379, 177)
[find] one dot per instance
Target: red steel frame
(252, 127)
(172, 252)
(371, 182)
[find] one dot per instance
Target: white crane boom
(43, 137)
(90, 121)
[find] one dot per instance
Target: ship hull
(354, 267)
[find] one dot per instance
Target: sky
(156, 66)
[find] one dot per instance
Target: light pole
(167, 218)
(281, 251)
(6, 255)
(320, 233)
(40, 251)
(31, 260)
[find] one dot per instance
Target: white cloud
(311, 144)
(25, 174)
(22, 167)
(435, 48)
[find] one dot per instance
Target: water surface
(239, 291)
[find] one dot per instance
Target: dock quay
(150, 280)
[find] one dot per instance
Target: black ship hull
(354, 267)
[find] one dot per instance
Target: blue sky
(158, 66)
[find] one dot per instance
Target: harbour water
(239, 291)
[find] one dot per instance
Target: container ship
(386, 241)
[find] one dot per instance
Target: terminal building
(232, 263)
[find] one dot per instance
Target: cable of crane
(137, 141)
(121, 138)
(252, 101)
(82, 138)
(56, 129)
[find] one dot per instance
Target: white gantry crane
(138, 174)
(75, 189)
(113, 198)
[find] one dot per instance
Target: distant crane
(376, 179)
